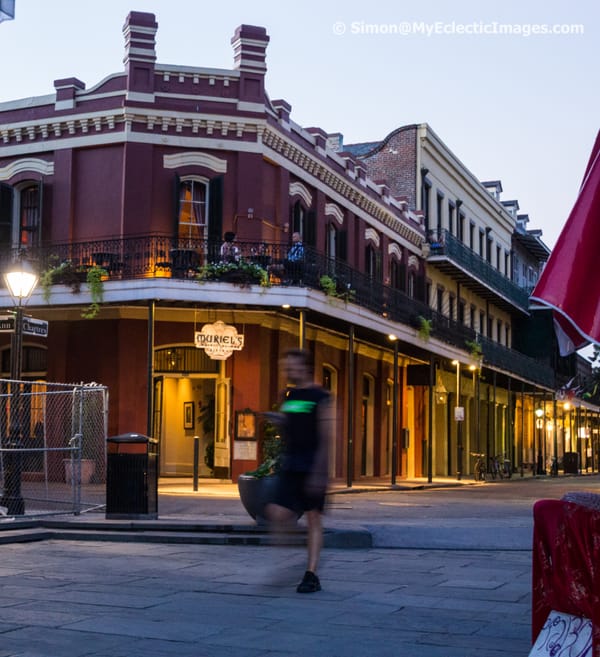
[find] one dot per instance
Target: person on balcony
(229, 253)
(294, 263)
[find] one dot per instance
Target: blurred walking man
(306, 420)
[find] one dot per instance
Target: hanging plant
(424, 327)
(95, 280)
(65, 273)
(332, 288)
(475, 348)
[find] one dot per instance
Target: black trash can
(571, 463)
(131, 477)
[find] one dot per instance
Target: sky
(521, 108)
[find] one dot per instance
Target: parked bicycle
(500, 467)
(506, 468)
(479, 467)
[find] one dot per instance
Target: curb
(177, 532)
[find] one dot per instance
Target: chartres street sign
(219, 340)
(31, 326)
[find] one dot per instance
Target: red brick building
(142, 174)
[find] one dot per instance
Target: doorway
(185, 411)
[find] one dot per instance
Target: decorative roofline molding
(95, 125)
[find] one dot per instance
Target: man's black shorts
(290, 493)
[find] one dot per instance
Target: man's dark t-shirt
(301, 439)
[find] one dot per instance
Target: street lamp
(539, 423)
(459, 416)
(394, 339)
(20, 281)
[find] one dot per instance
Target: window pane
(192, 209)
(30, 216)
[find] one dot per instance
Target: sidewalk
(152, 594)
(106, 599)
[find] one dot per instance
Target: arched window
(373, 262)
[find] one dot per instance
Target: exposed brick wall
(395, 161)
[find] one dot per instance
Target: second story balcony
(448, 254)
(157, 257)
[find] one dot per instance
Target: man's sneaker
(309, 584)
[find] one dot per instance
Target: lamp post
(459, 417)
(394, 339)
(20, 281)
(539, 423)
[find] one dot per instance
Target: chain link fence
(52, 447)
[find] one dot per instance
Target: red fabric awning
(570, 281)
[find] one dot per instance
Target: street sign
(37, 327)
(31, 326)
(7, 323)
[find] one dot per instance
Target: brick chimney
(140, 51)
(249, 49)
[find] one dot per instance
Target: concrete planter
(255, 493)
(88, 468)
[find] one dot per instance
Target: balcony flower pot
(243, 274)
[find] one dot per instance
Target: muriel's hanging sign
(219, 340)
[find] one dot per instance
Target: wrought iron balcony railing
(159, 256)
(443, 243)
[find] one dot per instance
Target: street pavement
(447, 574)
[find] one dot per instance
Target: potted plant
(239, 273)
(333, 288)
(256, 485)
(66, 273)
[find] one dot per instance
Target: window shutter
(342, 245)
(41, 214)
(310, 229)
(420, 288)
(402, 278)
(176, 206)
(296, 213)
(215, 216)
(378, 267)
(6, 207)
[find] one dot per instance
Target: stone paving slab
(62, 598)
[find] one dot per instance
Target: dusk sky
(518, 107)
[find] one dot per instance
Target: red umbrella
(570, 281)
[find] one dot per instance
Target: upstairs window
(193, 209)
(21, 215)
(373, 263)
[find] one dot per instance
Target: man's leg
(314, 538)
(310, 582)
